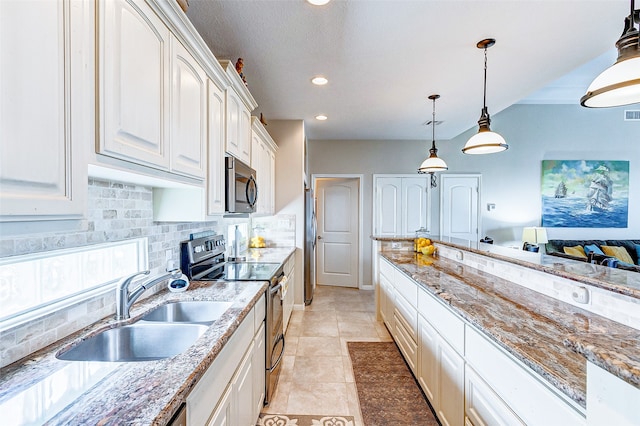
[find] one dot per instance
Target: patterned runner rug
(388, 392)
(299, 420)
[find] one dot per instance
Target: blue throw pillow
(638, 252)
(592, 249)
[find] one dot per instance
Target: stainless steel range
(204, 259)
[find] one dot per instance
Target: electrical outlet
(491, 206)
(395, 245)
(580, 295)
(168, 254)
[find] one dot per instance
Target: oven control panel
(200, 249)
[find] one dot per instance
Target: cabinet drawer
(408, 315)
(448, 324)
(407, 288)
(406, 343)
(386, 269)
(521, 389)
(482, 406)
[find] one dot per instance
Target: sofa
(571, 249)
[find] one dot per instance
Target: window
(36, 284)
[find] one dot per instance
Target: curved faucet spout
(124, 298)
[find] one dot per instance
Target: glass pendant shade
(619, 84)
(433, 164)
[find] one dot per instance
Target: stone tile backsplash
(116, 211)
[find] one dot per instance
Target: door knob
(319, 237)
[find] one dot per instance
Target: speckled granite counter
(142, 393)
(527, 324)
(611, 279)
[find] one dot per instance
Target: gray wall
(510, 179)
(366, 158)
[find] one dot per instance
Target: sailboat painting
(585, 194)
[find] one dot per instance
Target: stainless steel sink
(136, 342)
(202, 312)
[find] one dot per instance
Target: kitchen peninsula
(509, 332)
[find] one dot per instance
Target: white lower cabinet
(231, 392)
(288, 301)
(468, 379)
(520, 388)
(483, 407)
(441, 374)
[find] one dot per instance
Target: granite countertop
(529, 325)
(610, 279)
(107, 393)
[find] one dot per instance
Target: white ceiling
(383, 58)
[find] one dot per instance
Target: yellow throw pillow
(576, 251)
(618, 252)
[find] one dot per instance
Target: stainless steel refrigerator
(310, 226)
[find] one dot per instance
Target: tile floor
(316, 375)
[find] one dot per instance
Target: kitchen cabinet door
(451, 385)
(134, 69)
(401, 204)
(414, 204)
(223, 415)
(428, 360)
(237, 137)
(215, 151)
(388, 208)
(188, 113)
(243, 403)
(47, 108)
(259, 366)
(263, 162)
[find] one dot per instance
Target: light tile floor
(316, 376)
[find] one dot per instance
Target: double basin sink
(166, 331)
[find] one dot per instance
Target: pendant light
(485, 141)
(620, 83)
(433, 163)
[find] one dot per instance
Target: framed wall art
(585, 194)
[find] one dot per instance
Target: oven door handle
(275, 364)
(275, 289)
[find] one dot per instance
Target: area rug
(388, 392)
(301, 420)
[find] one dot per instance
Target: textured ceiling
(383, 58)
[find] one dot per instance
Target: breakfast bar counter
(553, 338)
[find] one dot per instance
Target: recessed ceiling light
(318, 2)
(319, 80)
(321, 117)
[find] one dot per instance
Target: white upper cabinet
(188, 113)
(216, 169)
(401, 204)
(134, 70)
(46, 108)
(239, 104)
(263, 156)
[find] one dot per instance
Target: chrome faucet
(124, 299)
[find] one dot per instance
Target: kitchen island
(483, 287)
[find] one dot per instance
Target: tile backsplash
(116, 211)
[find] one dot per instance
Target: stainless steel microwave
(241, 192)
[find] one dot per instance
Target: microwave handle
(251, 182)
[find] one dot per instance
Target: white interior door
(338, 231)
(459, 206)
